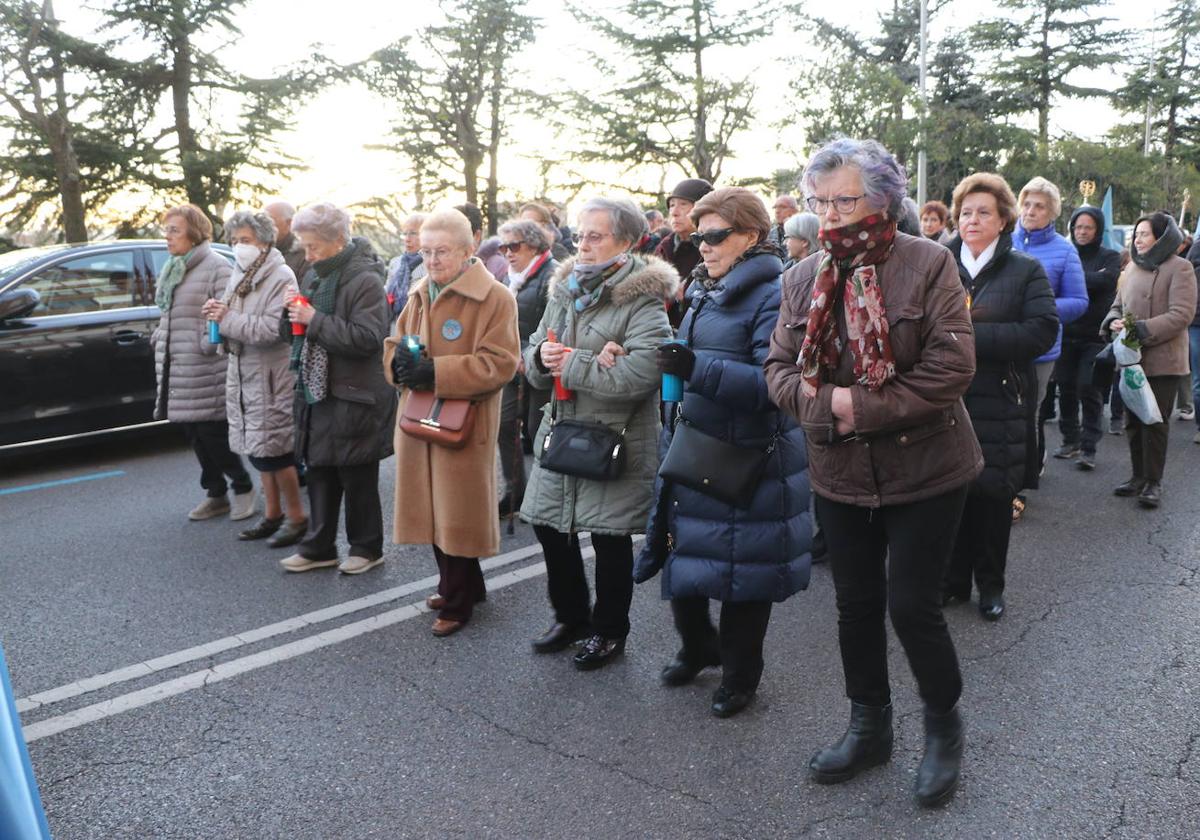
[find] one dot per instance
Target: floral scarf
(851, 255)
(586, 282)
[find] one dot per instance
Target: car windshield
(13, 261)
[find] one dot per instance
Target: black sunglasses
(510, 246)
(712, 237)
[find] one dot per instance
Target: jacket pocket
(1012, 385)
(917, 434)
(904, 333)
(352, 393)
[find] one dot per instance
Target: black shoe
(1151, 495)
(559, 637)
(727, 702)
(290, 534)
(1086, 461)
(598, 652)
(991, 607)
(1130, 488)
(1067, 451)
(937, 777)
(683, 669)
(867, 742)
(261, 529)
(953, 599)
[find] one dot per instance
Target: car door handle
(128, 337)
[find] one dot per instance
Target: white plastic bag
(1135, 390)
(1123, 354)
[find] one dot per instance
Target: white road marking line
(254, 661)
(172, 660)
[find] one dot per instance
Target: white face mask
(245, 254)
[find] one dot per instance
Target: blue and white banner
(21, 814)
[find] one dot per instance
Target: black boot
(867, 742)
(686, 666)
(937, 777)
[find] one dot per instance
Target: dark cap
(691, 189)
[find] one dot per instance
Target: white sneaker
(210, 508)
(297, 563)
(357, 565)
(1187, 414)
(243, 505)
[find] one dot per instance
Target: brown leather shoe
(446, 627)
(435, 602)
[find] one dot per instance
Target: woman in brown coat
(872, 353)
(1158, 289)
(447, 498)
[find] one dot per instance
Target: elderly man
(487, 250)
(678, 249)
(785, 208)
(281, 214)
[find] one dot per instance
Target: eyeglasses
(171, 230)
(591, 238)
(842, 203)
(711, 237)
(505, 247)
(438, 255)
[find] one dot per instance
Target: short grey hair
(260, 224)
(527, 231)
(885, 182)
(627, 222)
(325, 220)
(803, 226)
(285, 209)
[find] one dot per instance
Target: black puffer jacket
(531, 300)
(1015, 320)
(1101, 268)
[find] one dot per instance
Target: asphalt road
(355, 723)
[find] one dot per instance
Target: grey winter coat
(631, 312)
(259, 382)
(190, 371)
(353, 424)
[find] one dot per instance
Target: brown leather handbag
(443, 422)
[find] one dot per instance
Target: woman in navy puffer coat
(746, 558)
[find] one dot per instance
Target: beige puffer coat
(259, 384)
(190, 371)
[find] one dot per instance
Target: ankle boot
(937, 777)
(867, 742)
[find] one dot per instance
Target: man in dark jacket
(678, 249)
(282, 214)
(1081, 341)
(1193, 256)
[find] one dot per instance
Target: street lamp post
(923, 137)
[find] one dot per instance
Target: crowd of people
(846, 377)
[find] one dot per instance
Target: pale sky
(335, 126)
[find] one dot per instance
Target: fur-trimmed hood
(649, 277)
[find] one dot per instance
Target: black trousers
(739, 644)
(364, 516)
(567, 581)
(981, 549)
(210, 441)
(1148, 444)
(460, 582)
(892, 560)
(1073, 372)
(515, 415)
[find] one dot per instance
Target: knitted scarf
(851, 254)
(586, 282)
(170, 277)
(309, 357)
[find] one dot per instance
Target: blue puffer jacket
(1065, 272)
(702, 546)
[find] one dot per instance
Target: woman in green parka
(604, 320)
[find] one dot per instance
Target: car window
(85, 284)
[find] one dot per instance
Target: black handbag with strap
(583, 448)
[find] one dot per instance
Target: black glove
(675, 359)
(1141, 331)
(420, 375)
(402, 365)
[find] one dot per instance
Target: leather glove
(1141, 331)
(420, 375)
(402, 365)
(675, 359)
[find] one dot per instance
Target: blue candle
(672, 385)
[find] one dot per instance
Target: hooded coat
(631, 312)
(1063, 269)
(703, 546)
(1101, 268)
(448, 497)
(259, 384)
(190, 372)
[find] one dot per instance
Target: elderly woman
(872, 353)
(401, 268)
(446, 497)
(190, 372)
(747, 556)
(1015, 320)
(259, 383)
(526, 246)
(541, 215)
(934, 218)
(800, 237)
(603, 324)
(1157, 292)
(344, 407)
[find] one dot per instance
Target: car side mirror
(17, 303)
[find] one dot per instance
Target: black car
(75, 351)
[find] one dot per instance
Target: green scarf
(321, 284)
(170, 277)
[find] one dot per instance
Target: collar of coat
(649, 277)
(746, 275)
(476, 283)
